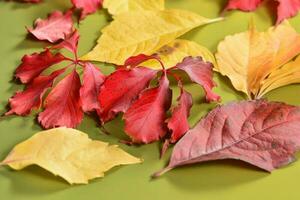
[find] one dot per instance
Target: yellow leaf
(174, 52)
(133, 33)
(68, 153)
(248, 58)
(116, 7)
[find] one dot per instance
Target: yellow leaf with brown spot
(68, 153)
(250, 57)
(116, 7)
(176, 51)
(142, 32)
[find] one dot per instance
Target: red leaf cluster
(285, 8)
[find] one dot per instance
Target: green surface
(213, 180)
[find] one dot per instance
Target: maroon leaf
(145, 119)
(200, 72)
(33, 65)
(92, 80)
(264, 134)
(30, 1)
(62, 106)
(121, 88)
(178, 123)
(87, 6)
(70, 43)
(23, 102)
(54, 28)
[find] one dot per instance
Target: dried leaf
(68, 153)
(116, 7)
(176, 51)
(249, 58)
(145, 119)
(142, 32)
(264, 134)
(56, 27)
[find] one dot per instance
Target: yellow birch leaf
(142, 32)
(68, 153)
(248, 58)
(116, 7)
(176, 51)
(288, 74)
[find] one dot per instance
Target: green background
(213, 180)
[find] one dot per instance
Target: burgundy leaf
(178, 123)
(54, 28)
(87, 6)
(23, 102)
(34, 64)
(264, 134)
(92, 80)
(121, 88)
(201, 73)
(145, 119)
(62, 106)
(70, 43)
(134, 61)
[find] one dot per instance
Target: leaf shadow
(222, 174)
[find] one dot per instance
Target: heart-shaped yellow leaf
(249, 58)
(142, 32)
(116, 7)
(176, 51)
(68, 153)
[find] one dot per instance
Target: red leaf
(34, 64)
(70, 43)
(92, 80)
(56, 27)
(145, 119)
(23, 102)
(134, 61)
(121, 88)
(264, 134)
(178, 123)
(87, 6)
(62, 106)
(200, 72)
(287, 9)
(244, 5)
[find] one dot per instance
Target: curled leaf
(265, 134)
(142, 32)
(68, 153)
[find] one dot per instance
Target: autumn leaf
(250, 57)
(145, 119)
(70, 43)
(68, 153)
(174, 52)
(116, 7)
(264, 134)
(285, 8)
(87, 6)
(54, 28)
(142, 32)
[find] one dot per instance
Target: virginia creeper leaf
(54, 28)
(249, 58)
(145, 119)
(34, 64)
(264, 134)
(201, 73)
(68, 153)
(87, 6)
(92, 80)
(121, 88)
(70, 43)
(62, 105)
(23, 102)
(142, 32)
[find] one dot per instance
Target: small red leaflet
(265, 134)
(285, 8)
(87, 6)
